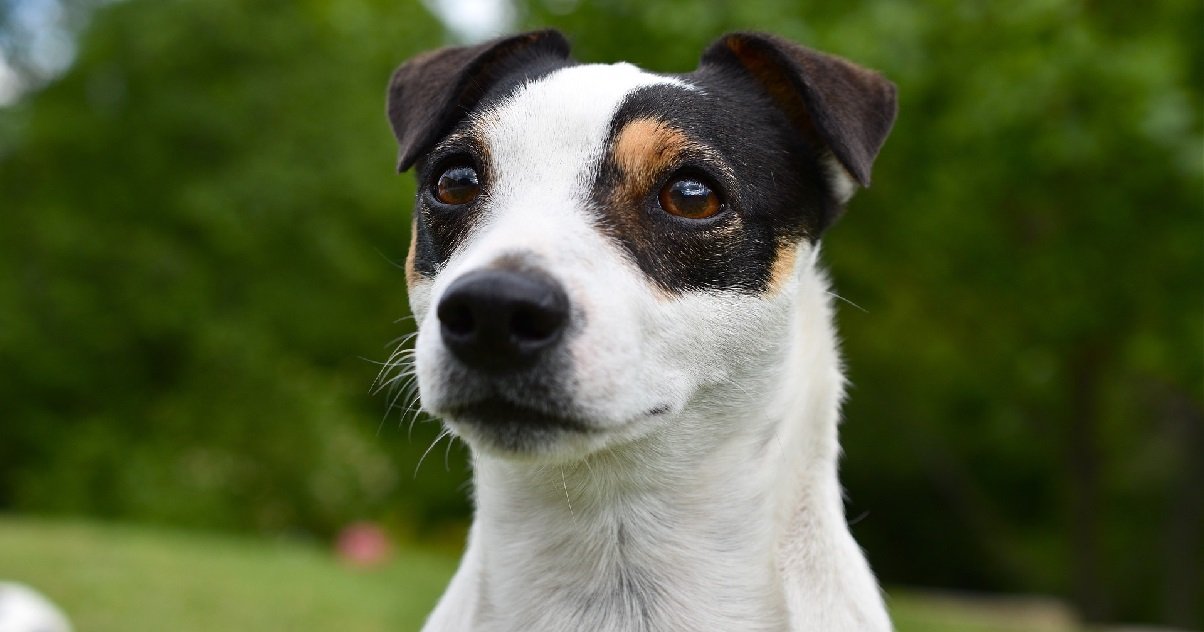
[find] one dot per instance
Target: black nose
(500, 320)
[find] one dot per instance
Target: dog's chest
(630, 599)
(641, 564)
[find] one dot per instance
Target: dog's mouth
(501, 413)
(508, 428)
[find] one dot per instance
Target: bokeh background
(200, 231)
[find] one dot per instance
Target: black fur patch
(771, 180)
(440, 228)
(429, 94)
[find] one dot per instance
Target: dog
(619, 309)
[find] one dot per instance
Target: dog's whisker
(403, 343)
(403, 388)
(407, 411)
(568, 501)
(447, 453)
(835, 295)
(405, 394)
(398, 364)
(446, 432)
(395, 396)
(389, 260)
(401, 340)
(413, 411)
(402, 358)
(400, 352)
(400, 348)
(738, 385)
(403, 377)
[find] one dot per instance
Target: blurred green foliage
(200, 223)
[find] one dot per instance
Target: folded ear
(842, 106)
(432, 92)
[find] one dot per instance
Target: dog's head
(598, 250)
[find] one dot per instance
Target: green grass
(130, 579)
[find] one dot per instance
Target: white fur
(843, 184)
(724, 513)
(22, 609)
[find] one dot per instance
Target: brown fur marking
(645, 149)
(412, 276)
(783, 267)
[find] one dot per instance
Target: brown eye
(690, 198)
(458, 185)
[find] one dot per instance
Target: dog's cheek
(655, 366)
(419, 295)
(607, 348)
(717, 336)
(430, 366)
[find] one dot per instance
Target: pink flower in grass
(363, 544)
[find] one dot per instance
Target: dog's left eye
(689, 197)
(458, 185)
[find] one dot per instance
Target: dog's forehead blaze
(562, 119)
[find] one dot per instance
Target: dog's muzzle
(498, 320)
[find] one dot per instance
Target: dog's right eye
(457, 186)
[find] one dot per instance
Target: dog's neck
(742, 531)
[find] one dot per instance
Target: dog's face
(598, 250)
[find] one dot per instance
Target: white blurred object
(22, 609)
(473, 21)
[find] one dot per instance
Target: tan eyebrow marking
(645, 151)
(645, 148)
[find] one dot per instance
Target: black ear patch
(432, 92)
(833, 102)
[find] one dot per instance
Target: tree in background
(199, 226)
(194, 220)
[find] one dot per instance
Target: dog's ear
(846, 108)
(430, 93)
